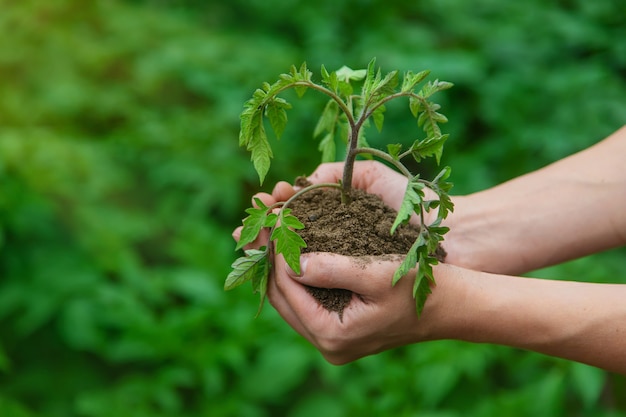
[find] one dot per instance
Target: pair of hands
(379, 316)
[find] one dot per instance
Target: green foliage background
(121, 180)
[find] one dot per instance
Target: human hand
(370, 176)
(379, 316)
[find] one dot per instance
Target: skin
(571, 208)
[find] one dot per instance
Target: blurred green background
(121, 180)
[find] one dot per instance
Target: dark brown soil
(361, 228)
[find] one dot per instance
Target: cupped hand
(370, 176)
(379, 317)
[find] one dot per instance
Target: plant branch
(344, 107)
(386, 157)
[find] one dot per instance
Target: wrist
(464, 244)
(446, 310)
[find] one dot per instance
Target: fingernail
(294, 274)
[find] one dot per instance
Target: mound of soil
(361, 228)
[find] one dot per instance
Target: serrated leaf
(386, 86)
(442, 176)
(371, 76)
(328, 119)
(253, 224)
(413, 196)
(345, 88)
(328, 148)
(394, 149)
(288, 242)
(290, 220)
(330, 79)
(261, 152)
(347, 74)
(411, 80)
(277, 115)
(425, 148)
(410, 260)
(379, 117)
(427, 122)
(423, 280)
(259, 283)
(248, 268)
(271, 220)
(300, 90)
(446, 206)
(415, 105)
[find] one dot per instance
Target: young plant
(346, 115)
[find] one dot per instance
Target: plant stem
(386, 157)
(348, 168)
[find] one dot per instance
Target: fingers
(378, 316)
(293, 302)
(329, 172)
(266, 198)
(361, 275)
(283, 191)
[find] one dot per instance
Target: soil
(361, 229)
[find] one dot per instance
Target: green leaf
(379, 117)
(253, 267)
(328, 119)
(411, 80)
(423, 280)
(261, 152)
(258, 218)
(328, 148)
(371, 77)
(259, 283)
(425, 148)
(386, 86)
(347, 74)
(415, 105)
(425, 111)
(428, 121)
(441, 187)
(330, 79)
(394, 149)
(410, 260)
(412, 198)
(446, 206)
(277, 115)
(288, 242)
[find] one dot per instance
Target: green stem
(344, 107)
(386, 157)
(348, 168)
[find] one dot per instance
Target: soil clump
(360, 229)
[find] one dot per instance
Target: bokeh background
(121, 180)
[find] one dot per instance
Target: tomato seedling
(346, 115)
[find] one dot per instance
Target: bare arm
(569, 209)
(578, 321)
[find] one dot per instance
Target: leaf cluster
(254, 266)
(346, 114)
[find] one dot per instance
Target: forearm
(568, 209)
(572, 320)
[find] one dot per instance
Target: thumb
(358, 274)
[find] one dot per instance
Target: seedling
(346, 115)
